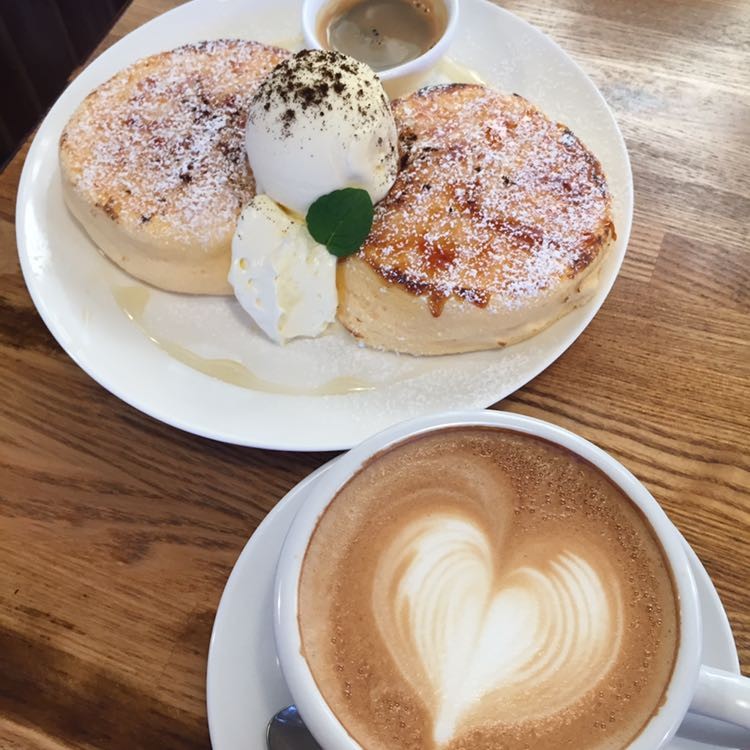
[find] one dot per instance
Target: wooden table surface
(117, 533)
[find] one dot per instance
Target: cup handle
(724, 696)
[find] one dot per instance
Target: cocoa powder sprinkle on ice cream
(318, 80)
(321, 121)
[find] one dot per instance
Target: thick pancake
(153, 161)
(494, 228)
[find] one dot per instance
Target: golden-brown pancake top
(160, 145)
(493, 199)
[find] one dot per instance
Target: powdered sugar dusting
(160, 146)
(493, 200)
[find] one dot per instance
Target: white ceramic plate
(245, 687)
(111, 325)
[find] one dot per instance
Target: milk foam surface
(547, 627)
(483, 589)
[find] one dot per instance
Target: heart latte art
(477, 589)
(539, 633)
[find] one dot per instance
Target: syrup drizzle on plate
(133, 300)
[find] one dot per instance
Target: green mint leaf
(341, 220)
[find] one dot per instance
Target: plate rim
(169, 417)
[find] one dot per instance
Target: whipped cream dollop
(321, 121)
(282, 278)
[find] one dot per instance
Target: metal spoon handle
(287, 731)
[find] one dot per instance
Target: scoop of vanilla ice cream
(283, 278)
(319, 122)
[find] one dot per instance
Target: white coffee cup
(693, 687)
(403, 78)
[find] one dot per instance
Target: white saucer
(270, 396)
(244, 683)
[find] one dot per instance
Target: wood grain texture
(117, 533)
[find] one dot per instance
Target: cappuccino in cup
(477, 588)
